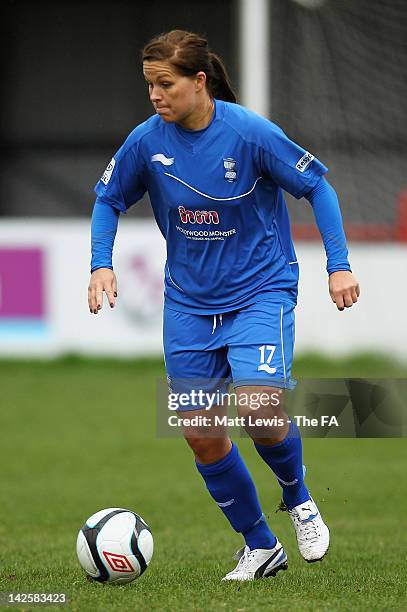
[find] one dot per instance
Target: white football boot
(258, 563)
(311, 531)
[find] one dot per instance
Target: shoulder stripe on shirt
(205, 195)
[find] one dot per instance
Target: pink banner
(22, 283)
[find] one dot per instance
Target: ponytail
(189, 53)
(219, 83)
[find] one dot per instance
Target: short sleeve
(121, 185)
(285, 162)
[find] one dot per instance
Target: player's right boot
(258, 563)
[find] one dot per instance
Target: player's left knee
(262, 413)
(264, 401)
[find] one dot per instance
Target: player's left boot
(311, 531)
(258, 563)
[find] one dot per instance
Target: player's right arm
(120, 186)
(105, 220)
(102, 280)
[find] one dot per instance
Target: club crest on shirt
(231, 171)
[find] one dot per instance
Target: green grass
(78, 436)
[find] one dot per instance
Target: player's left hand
(343, 289)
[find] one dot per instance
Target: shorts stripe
(282, 340)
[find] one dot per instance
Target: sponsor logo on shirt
(203, 234)
(304, 162)
(230, 166)
(160, 157)
(198, 216)
(108, 172)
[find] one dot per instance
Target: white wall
(377, 323)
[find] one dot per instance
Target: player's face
(174, 97)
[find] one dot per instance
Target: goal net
(339, 88)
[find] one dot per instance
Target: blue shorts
(250, 346)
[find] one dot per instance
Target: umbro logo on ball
(118, 563)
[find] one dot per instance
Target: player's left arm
(343, 286)
(301, 174)
(343, 289)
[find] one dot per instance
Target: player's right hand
(101, 280)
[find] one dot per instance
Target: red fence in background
(373, 232)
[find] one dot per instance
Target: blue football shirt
(218, 200)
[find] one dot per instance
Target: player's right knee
(208, 450)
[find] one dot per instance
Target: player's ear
(200, 80)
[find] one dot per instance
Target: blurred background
(79, 433)
(331, 73)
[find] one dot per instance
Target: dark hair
(188, 53)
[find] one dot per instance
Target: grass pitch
(78, 436)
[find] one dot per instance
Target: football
(114, 545)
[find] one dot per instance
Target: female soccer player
(215, 173)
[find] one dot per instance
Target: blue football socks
(285, 459)
(231, 486)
